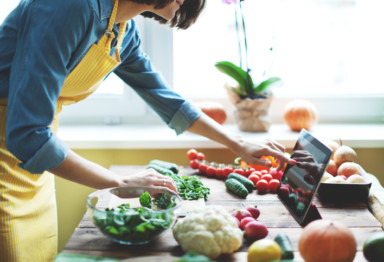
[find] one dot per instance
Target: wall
(71, 197)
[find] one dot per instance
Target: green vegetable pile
(189, 187)
(140, 224)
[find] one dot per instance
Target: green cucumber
(242, 179)
(168, 165)
(161, 170)
(236, 187)
(285, 244)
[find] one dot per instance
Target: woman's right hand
(149, 177)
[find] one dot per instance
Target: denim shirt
(41, 42)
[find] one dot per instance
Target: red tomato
(254, 178)
(239, 171)
(273, 185)
(264, 171)
(248, 171)
(211, 171)
(194, 164)
(256, 173)
(262, 186)
(202, 167)
(200, 156)
(276, 174)
(227, 170)
(267, 177)
(192, 154)
(219, 173)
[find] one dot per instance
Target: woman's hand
(150, 177)
(251, 152)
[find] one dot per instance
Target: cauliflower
(210, 231)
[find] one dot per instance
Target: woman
(55, 53)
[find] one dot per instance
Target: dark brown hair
(184, 17)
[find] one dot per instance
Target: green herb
(189, 187)
(145, 200)
(164, 201)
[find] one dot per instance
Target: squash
(324, 240)
(214, 110)
(300, 114)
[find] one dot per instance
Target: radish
(255, 230)
(241, 213)
(245, 221)
(255, 212)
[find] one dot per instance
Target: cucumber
(161, 170)
(236, 187)
(242, 179)
(168, 165)
(285, 244)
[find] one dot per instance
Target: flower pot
(251, 115)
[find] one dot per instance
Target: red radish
(255, 230)
(255, 212)
(241, 213)
(245, 221)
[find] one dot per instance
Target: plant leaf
(238, 74)
(263, 86)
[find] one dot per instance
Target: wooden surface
(87, 239)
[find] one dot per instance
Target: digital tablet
(300, 182)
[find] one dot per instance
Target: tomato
(200, 156)
(248, 171)
(227, 170)
(192, 154)
(273, 185)
(254, 178)
(262, 186)
(211, 171)
(219, 172)
(202, 167)
(194, 164)
(239, 171)
(267, 177)
(276, 174)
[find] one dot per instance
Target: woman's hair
(187, 14)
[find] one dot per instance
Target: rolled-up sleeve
(137, 71)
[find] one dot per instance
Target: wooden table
(87, 239)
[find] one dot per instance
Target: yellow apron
(28, 216)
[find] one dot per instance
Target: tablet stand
(312, 214)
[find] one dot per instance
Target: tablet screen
(299, 182)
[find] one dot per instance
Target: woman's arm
(249, 151)
(77, 169)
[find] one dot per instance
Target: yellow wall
(71, 197)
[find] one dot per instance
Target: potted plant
(252, 100)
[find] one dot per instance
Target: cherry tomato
(239, 171)
(219, 172)
(211, 171)
(194, 164)
(202, 167)
(267, 177)
(254, 178)
(273, 185)
(227, 170)
(262, 186)
(200, 156)
(248, 171)
(192, 154)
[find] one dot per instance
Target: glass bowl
(120, 215)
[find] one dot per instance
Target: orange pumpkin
(300, 114)
(330, 241)
(214, 110)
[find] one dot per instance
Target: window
(327, 51)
